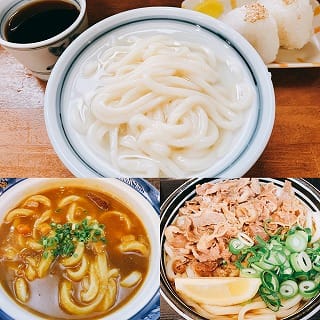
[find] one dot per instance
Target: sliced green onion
(287, 252)
(296, 242)
(255, 267)
(308, 231)
(263, 266)
(245, 239)
(288, 289)
(254, 258)
(276, 258)
(303, 234)
(317, 279)
(270, 280)
(288, 265)
(316, 245)
(265, 291)
(249, 273)
(275, 245)
(308, 289)
(294, 262)
(316, 264)
(287, 271)
(304, 262)
(271, 299)
(236, 246)
(302, 276)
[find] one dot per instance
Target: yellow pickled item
(213, 8)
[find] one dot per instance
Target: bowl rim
(146, 299)
(186, 190)
(260, 74)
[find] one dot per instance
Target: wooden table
(25, 150)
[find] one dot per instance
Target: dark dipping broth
(40, 20)
(117, 238)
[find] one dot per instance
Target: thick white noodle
(161, 107)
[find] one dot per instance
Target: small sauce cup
(40, 57)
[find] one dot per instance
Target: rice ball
(294, 19)
(254, 22)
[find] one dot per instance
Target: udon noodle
(198, 240)
(161, 107)
(72, 253)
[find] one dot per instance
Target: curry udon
(72, 253)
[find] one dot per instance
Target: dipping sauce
(40, 20)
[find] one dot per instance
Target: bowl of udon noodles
(241, 249)
(79, 249)
(159, 92)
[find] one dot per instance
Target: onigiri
(257, 25)
(294, 19)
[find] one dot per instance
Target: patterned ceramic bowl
(84, 156)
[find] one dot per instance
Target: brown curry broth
(44, 292)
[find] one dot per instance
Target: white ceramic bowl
(139, 304)
(191, 26)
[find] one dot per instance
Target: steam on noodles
(199, 244)
(160, 107)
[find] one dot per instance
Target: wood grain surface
(25, 149)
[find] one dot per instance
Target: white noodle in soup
(157, 106)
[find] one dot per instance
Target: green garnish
(287, 264)
(64, 241)
(235, 246)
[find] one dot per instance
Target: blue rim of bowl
(53, 113)
(152, 309)
(304, 190)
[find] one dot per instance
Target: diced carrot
(44, 228)
(23, 228)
